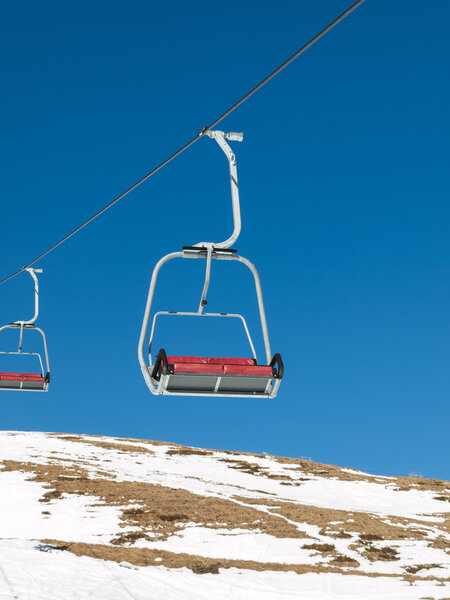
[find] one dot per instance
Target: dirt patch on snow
(404, 484)
(187, 451)
(77, 437)
(304, 466)
(440, 543)
(128, 448)
(323, 548)
(310, 467)
(416, 568)
(344, 561)
(397, 483)
(383, 553)
(158, 512)
(253, 469)
(123, 444)
(337, 523)
(145, 557)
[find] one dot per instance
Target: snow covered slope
(108, 518)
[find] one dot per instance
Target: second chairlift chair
(35, 382)
(212, 376)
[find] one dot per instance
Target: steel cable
(201, 133)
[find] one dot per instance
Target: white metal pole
(220, 136)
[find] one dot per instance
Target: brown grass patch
(160, 511)
(416, 568)
(344, 561)
(400, 483)
(48, 496)
(386, 553)
(328, 471)
(336, 523)
(187, 451)
(370, 537)
(129, 538)
(404, 484)
(324, 548)
(145, 557)
(440, 543)
(339, 534)
(77, 437)
(128, 448)
(253, 469)
(332, 471)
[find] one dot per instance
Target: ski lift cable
(199, 135)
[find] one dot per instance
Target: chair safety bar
(28, 354)
(196, 314)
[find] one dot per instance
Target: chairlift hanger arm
(221, 138)
(33, 272)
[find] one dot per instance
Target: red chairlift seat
(216, 375)
(24, 381)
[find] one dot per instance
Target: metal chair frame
(30, 326)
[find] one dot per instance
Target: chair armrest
(161, 361)
(277, 360)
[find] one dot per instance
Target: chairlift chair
(174, 375)
(35, 382)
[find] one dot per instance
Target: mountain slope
(97, 517)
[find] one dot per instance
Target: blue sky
(344, 191)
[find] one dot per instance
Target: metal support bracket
(221, 138)
(32, 272)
